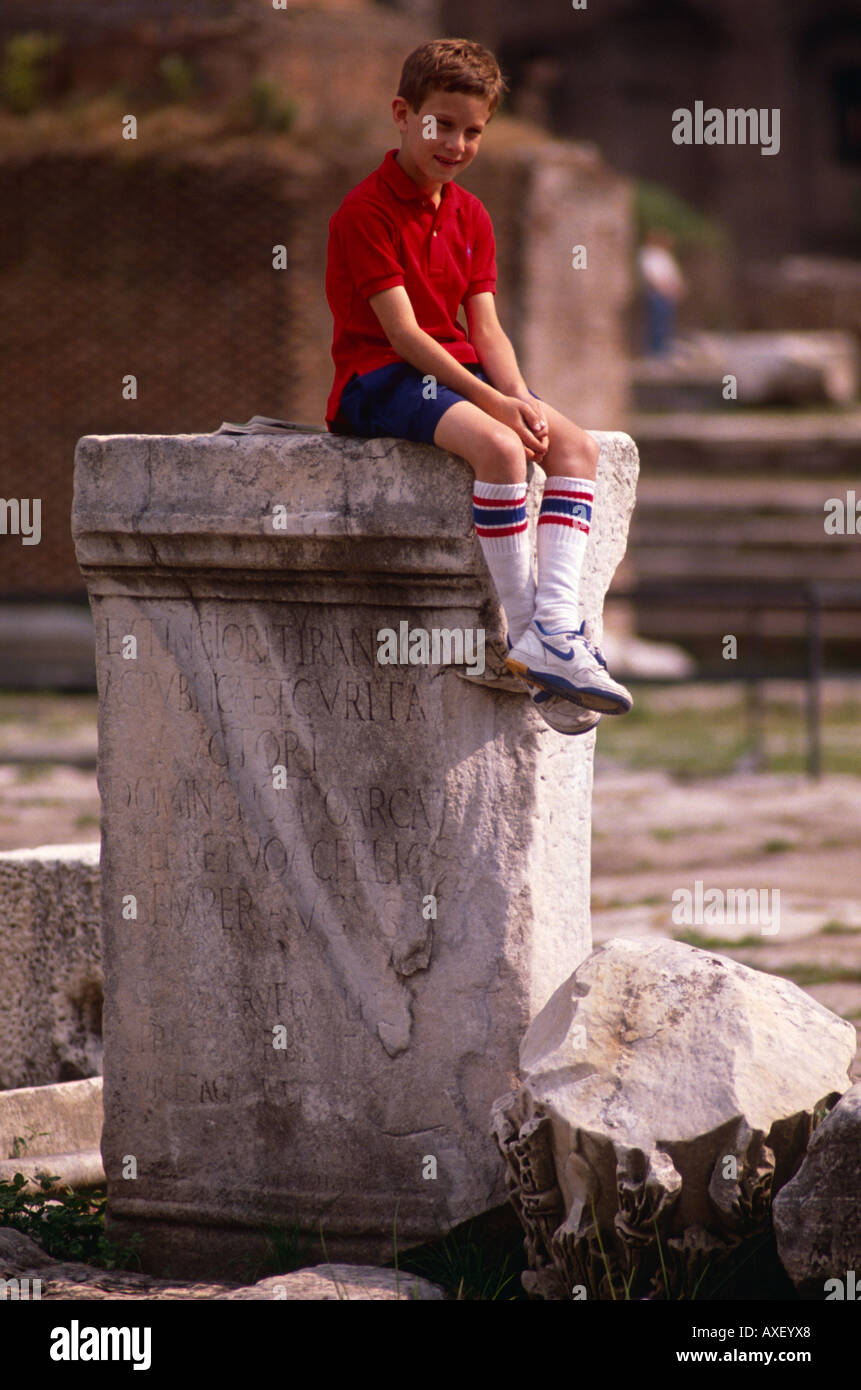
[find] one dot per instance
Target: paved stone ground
(653, 835)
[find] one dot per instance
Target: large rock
(660, 1083)
(330, 886)
(817, 1215)
(51, 949)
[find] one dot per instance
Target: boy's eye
(471, 134)
(443, 123)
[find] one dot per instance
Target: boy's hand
(526, 420)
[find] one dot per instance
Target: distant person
(407, 247)
(663, 287)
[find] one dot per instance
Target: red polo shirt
(387, 232)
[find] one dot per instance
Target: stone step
(767, 626)
(681, 443)
(741, 492)
(719, 527)
(749, 564)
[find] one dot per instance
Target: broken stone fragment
(666, 1094)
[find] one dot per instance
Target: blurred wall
(159, 266)
(616, 70)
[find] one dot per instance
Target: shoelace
(590, 646)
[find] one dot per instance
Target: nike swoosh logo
(563, 656)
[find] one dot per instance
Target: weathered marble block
(316, 978)
(50, 966)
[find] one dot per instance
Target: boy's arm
(397, 318)
(494, 346)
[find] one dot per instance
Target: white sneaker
(562, 715)
(567, 665)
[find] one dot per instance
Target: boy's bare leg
(566, 665)
(572, 453)
(498, 458)
(494, 451)
(564, 521)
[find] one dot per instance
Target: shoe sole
(587, 698)
(567, 733)
(540, 706)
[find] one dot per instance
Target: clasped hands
(523, 415)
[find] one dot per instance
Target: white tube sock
(499, 514)
(563, 528)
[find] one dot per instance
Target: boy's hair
(453, 65)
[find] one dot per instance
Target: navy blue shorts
(390, 402)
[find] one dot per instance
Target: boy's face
(440, 140)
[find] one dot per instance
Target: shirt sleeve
(370, 248)
(483, 254)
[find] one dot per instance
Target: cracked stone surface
(817, 1215)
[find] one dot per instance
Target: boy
(406, 247)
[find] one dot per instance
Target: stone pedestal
(334, 891)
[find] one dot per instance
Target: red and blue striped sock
(499, 513)
(563, 528)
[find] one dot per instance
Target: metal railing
(813, 597)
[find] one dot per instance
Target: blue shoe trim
(563, 656)
(557, 685)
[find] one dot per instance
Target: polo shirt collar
(399, 182)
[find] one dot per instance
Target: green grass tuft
(68, 1225)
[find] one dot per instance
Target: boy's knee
(573, 448)
(502, 457)
(592, 449)
(586, 449)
